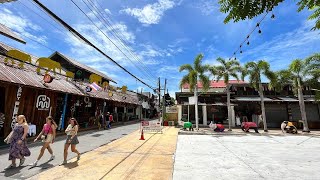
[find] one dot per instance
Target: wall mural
(17, 55)
(48, 64)
(43, 102)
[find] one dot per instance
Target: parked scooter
(288, 127)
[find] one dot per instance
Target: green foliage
(225, 70)
(255, 69)
(247, 9)
(195, 74)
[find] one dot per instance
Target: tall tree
(225, 70)
(248, 9)
(255, 70)
(313, 70)
(196, 73)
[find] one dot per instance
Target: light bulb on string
(248, 42)
(240, 49)
(258, 25)
(273, 16)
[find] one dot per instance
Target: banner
(151, 126)
(172, 109)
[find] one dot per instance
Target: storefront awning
(251, 99)
(287, 99)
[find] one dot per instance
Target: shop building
(245, 104)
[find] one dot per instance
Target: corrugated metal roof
(252, 99)
(79, 65)
(4, 30)
(29, 77)
(7, 48)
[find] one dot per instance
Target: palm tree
(313, 70)
(298, 70)
(195, 74)
(225, 70)
(255, 70)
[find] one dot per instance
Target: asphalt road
(88, 141)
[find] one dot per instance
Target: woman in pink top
(47, 135)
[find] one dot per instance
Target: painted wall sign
(43, 102)
(16, 108)
(48, 64)
(88, 89)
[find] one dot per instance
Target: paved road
(88, 141)
(247, 157)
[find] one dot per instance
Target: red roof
(216, 84)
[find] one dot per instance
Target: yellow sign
(105, 84)
(95, 78)
(18, 55)
(69, 74)
(124, 89)
(48, 64)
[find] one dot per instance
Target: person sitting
(245, 126)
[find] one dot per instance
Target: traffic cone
(142, 137)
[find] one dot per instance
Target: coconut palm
(225, 70)
(313, 70)
(195, 73)
(255, 70)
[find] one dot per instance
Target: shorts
(48, 139)
(73, 141)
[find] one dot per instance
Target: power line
(87, 41)
(123, 45)
(121, 39)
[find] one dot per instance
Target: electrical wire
(121, 34)
(67, 26)
(99, 29)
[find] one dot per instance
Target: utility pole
(163, 99)
(159, 96)
(141, 106)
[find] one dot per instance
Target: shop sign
(88, 89)
(43, 102)
(47, 78)
(16, 108)
(87, 101)
(2, 119)
(172, 109)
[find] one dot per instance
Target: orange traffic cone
(142, 137)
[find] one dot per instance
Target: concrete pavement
(126, 158)
(88, 141)
(247, 156)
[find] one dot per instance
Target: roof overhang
(4, 30)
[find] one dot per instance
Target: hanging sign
(43, 102)
(88, 89)
(16, 108)
(47, 78)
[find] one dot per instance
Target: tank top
(47, 129)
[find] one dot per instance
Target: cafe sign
(43, 102)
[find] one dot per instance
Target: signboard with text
(151, 126)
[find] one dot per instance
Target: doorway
(2, 111)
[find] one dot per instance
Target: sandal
(10, 166)
(22, 161)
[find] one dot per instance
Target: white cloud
(22, 25)
(209, 7)
(151, 13)
(107, 11)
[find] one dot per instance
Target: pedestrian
(110, 120)
(47, 134)
(72, 139)
(18, 146)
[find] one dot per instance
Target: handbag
(8, 139)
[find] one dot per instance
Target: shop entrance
(2, 111)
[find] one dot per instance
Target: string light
(246, 40)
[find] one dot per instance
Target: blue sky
(162, 35)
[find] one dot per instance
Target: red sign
(47, 78)
(145, 123)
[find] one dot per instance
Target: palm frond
(222, 61)
(205, 81)
(197, 63)
(186, 67)
(184, 80)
